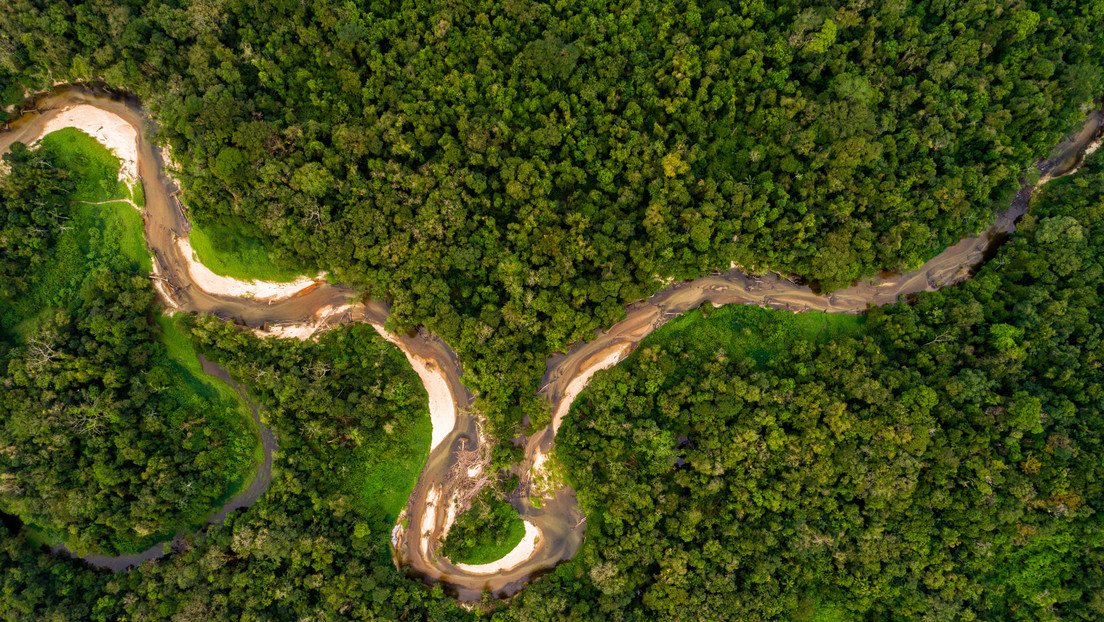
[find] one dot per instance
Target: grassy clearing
(811, 610)
(489, 551)
(93, 166)
(182, 351)
(760, 333)
(234, 413)
(109, 235)
(228, 252)
(138, 194)
(388, 467)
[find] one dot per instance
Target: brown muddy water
(562, 526)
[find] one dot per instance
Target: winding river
(556, 529)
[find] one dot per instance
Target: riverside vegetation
(108, 443)
(511, 175)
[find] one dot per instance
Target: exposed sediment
(558, 521)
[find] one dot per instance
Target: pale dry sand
(113, 131)
(521, 553)
(537, 471)
(162, 288)
(397, 530)
(169, 166)
(450, 517)
(302, 332)
(429, 519)
(612, 357)
(306, 330)
(226, 286)
(442, 408)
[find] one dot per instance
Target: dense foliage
(105, 442)
(945, 465)
(316, 544)
(484, 532)
(101, 444)
(31, 195)
(511, 173)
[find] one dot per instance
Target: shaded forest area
(944, 464)
(107, 443)
(510, 174)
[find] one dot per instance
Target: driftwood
(465, 488)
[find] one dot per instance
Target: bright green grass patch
(93, 166)
(182, 351)
(387, 467)
(108, 235)
(138, 194)
(228, 252)
(812, 610)
(235, 412)
(757, 332)
(487, 531)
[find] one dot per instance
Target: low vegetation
(485, 532)
(228, 252)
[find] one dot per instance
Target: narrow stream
(561, 524)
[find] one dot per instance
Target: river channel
(558, 523)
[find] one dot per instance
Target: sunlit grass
(230, 253)
(94, 168)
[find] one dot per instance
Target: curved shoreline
(243, 499)
(559, 521)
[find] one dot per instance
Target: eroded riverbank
(558, 521)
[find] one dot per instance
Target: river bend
(454, 461)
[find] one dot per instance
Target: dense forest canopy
(351, 419)
(939, 460)
(106, 443)
(943, 465)
(510, 174)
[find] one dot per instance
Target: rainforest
(530, 311)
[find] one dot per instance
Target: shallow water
(561, 523)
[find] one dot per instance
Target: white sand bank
(522, 552)
(110, 129)
(442, 408)
(308, 329)
(226, 286)
(429, 518)
(577, 384)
